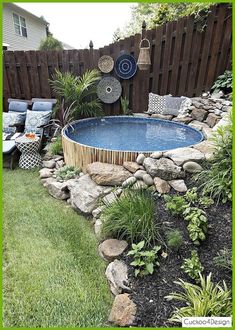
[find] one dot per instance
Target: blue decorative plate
(125, 66)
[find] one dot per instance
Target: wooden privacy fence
(184, 61)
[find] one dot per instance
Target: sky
(78, 23)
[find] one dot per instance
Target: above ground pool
(123, 137)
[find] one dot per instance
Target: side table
(30, 156)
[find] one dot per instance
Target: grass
(131, 217)
(53, 276)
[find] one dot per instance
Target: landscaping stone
(178, 185)
(59, 164)
(111, 248)
(56, 189)
(110, 198)
(47, 181)
(108, 174)
(183, 120)
(156, 155)
(197, 124)
(206, 147)
(85, 194)
(218, 112)
(140, 159)
(161, 185)
(96, 212)
(207, 131)
(192, 167)
(45, 173)
(183, 155)
(49, 163)
(163, 168)
(129, 182)
(117, 275)
(199, 114)
(139, 174)
(140, 114)
(123, 311)
(212, 119)
(131, 166)
(159, 116)
(139, 185)
(98, 228)
(58, 157)
(148, 180)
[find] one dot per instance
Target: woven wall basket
(105, 64)
(109, 90)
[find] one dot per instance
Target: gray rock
(217, 95)
(56, 190)
(163, 168)
(218, 106)
(140, 159)
(131, 166)
(85, 194)
(199, 114)
(156, 154)
(161, 185)
(47, 181)
(197, 124)
(178, 185)
(139, 174)
(218, 112)
(206, 147)
(192, 167)
(58, 157)
(159, 116)
(45, 173)
(59, 164)
(49, 163)
(139, 185)
(108, 174)
(140, 114)
(111, 248)
(183, 155)
(96, 212)
(207, 131)
(212, 119)
(148, 180)
(184, 120)
(110, 198)
(129, 182)
(98, 228)
(123, 311)
(117, 275)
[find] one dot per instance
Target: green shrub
(67, 172)
(50, 43)
(197, 226)
(131, 217)
(192, 266)
(223, 83)
(216, 180)
(144, 261)
(174, 239)
(175, 204)
(205, 299)
(224, 259)
(55, 148)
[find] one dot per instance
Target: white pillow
(12, 118)
(34, 119)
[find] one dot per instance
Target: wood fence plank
(44, 75)
(157, 59)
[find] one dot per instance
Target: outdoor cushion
(8, 146)
(15, 106)
(34, 119)
(156, 104)
(12, 118)
(42, 106)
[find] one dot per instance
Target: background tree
(156, 14)
(50, 43)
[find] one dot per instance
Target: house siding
(36, 29)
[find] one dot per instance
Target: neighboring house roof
(13, 5)
(66, 46)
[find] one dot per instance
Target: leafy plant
(216, 180)
(55, 147)
(144, 261)
(131, 217)
(192, 266)
(174, 239)
(224, 259)
(175, 204)
(223, 83)
(51, 43)
(79, 93)
(205, 299)
(197, 226)
(67, 172)
(125, 106)
(206, 201)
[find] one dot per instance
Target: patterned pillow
(173, 105)
(12, 118)
(34, 119)
(156, 104)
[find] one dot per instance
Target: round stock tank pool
(117, 139)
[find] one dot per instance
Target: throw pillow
(12, 118)
(35, 119)
(156, 104)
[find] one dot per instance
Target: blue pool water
(132, 134)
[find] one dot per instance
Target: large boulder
(183, 155)
(108, 174)
(117, 275)
(162, 186)
(57, 190)
(85, 194)
(123, 311)
(112, 248)
(163, 168)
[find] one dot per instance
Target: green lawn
(53, 276)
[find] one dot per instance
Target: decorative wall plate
(125, 66)
(105, 64)
(109, 90)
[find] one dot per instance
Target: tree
(155, 14)
(50, 43)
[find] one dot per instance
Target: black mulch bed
(148, 292)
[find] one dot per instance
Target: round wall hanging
(125, 66)
(105, 64)
(109, 90)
